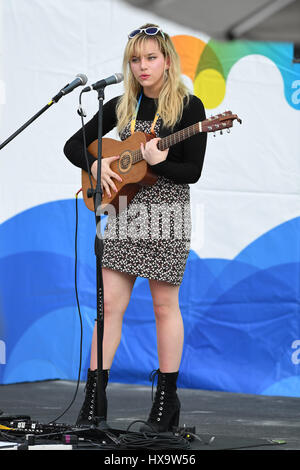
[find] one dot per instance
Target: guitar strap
(133, 121)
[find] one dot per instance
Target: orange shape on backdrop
(189, 49)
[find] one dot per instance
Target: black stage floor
(222, 420)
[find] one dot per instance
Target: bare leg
(169, 325)
(117, 291)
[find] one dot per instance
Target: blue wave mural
(241, 316)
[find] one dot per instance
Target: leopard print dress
(151, 238)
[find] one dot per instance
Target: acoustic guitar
(133, 169)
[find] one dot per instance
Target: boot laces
(157, 401)
(152, 377)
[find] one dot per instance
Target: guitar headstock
(219, 122)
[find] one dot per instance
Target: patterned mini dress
(151, 238)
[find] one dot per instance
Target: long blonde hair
(173, 93)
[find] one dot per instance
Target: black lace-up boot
(165, 409)
(90, 414)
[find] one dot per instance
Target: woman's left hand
(152, 154)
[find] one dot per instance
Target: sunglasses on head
(151, 31)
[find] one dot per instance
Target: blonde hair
(173, 93)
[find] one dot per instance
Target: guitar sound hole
(125, 162)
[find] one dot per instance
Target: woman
(155, 100)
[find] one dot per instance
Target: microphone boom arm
(30, 121)
(81, 80)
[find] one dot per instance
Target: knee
(107, 305)
(111, 306)
(163, 311)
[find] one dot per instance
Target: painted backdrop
(240, 294)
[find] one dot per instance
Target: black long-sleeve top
(185, 159)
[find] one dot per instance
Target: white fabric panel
(46, 43)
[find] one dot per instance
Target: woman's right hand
(106, 174)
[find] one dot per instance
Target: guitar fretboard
(170, 140)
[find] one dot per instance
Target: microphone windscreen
(119, 77)
(83, 78)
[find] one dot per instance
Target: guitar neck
(214, 123)
(179, 136)
(172, 139)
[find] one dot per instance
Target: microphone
(80, 79)
(116, 78)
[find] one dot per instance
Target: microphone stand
(96, 193)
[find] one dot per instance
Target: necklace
(133, 121)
